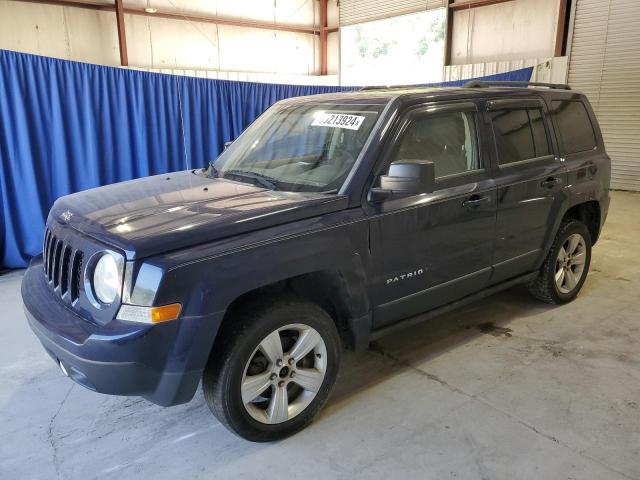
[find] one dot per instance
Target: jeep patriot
(329, 222)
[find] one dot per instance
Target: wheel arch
(340, 293)
(588, 213)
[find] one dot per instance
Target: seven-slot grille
(62, 265)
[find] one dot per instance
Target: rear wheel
(275, 370)
(565, 269)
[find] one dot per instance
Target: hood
(166, 212)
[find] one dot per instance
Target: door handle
(550, 182)
(475, 201)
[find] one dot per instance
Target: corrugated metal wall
(605, 64)
(550, 70)
(504, 31)
(358, 11)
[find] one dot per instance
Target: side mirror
(226, 144)
(405, 178)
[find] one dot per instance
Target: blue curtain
(68, 126)
(521, 75)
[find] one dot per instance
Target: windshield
(299, 148)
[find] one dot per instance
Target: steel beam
(448, 40)
(73, 3)
(323, 37)
(564, 12)
(474, 4)
(122, 34)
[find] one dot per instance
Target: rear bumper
(162, 363)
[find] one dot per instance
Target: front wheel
(565, 269)
(275, 370)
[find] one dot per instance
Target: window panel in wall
(408, 49)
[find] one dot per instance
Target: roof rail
(391, 87)
(507, 83)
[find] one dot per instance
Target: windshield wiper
(264, 180)
(213, 171)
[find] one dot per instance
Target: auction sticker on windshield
(338, 120)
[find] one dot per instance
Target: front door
(431, 249)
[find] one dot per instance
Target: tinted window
(520, 134)
(540, 142)
(576, 131)
(447, 140)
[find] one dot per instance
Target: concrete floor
(507, 388)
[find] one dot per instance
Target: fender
(207, 279)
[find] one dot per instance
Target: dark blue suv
(332, 220)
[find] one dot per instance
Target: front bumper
(162, 363)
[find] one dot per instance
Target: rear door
(530, 179)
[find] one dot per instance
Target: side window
(447, 139)
(540, 140)
(520, 134)
(575, 128)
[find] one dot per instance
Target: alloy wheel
(570, 263)
(284, 374)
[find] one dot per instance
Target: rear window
(520, 134)
(575, 128)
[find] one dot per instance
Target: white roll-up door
(359, 11)
(604, 63)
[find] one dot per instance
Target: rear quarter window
(574, 126)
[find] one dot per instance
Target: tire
(545, 287)
(247, 349)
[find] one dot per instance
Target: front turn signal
(165, 313)
(135, 313)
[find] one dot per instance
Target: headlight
(106, 279)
